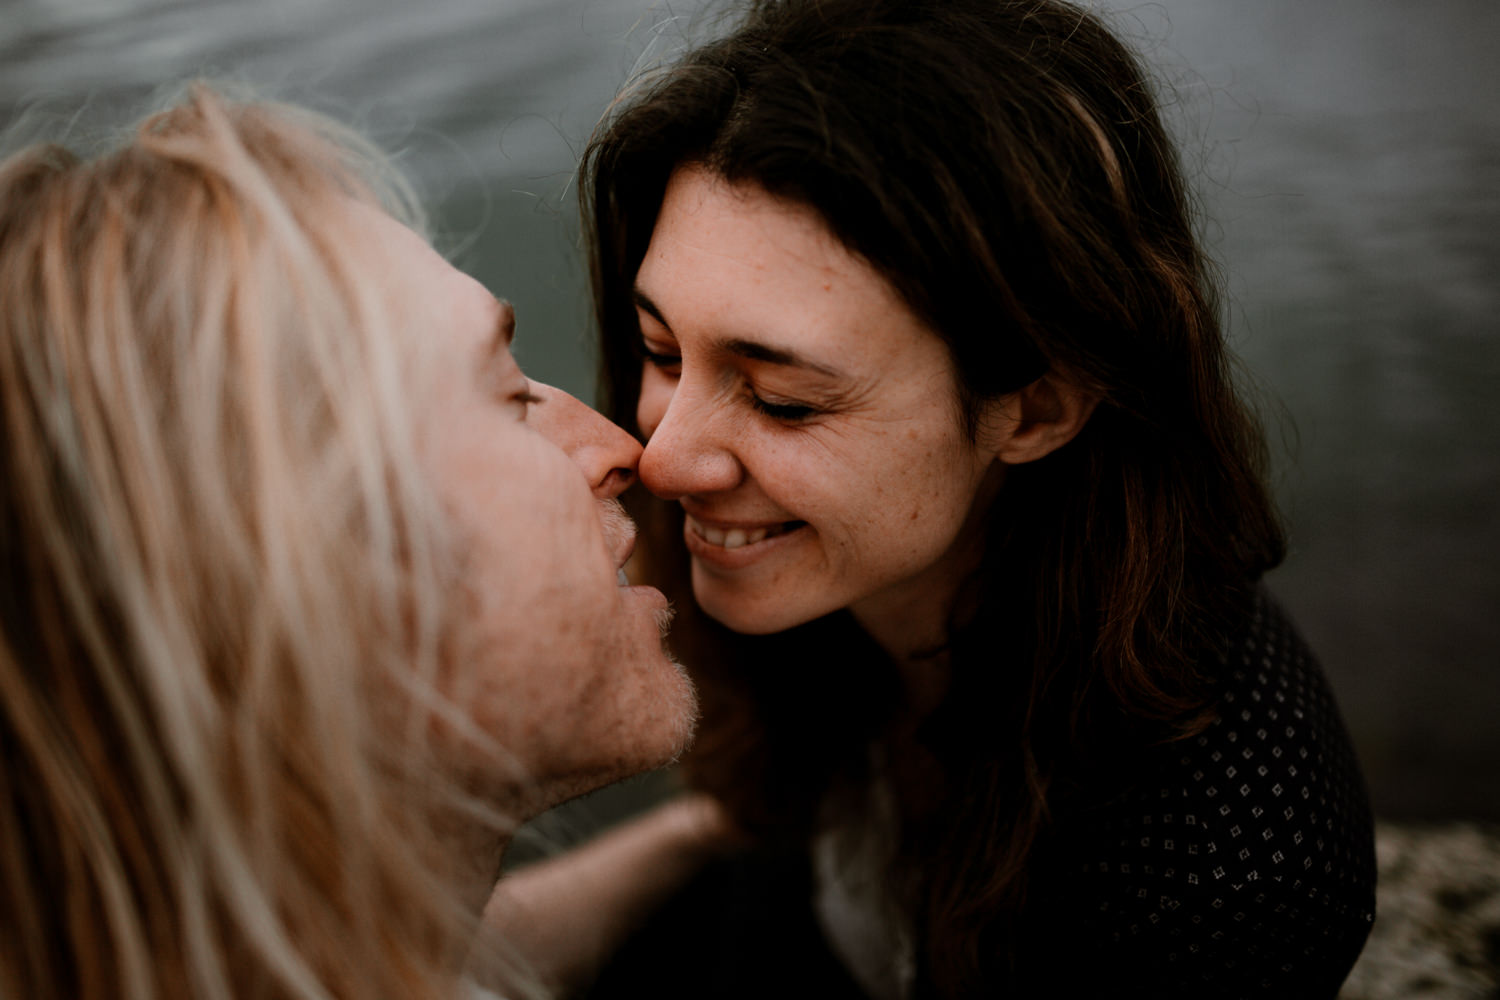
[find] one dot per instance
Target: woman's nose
(607, 455)
(685, 454)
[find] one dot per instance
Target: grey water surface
(1348, 157)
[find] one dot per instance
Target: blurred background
(1348, 157)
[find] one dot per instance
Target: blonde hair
(221, 558)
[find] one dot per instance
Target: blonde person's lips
(619, 536)
(732, 544)
(653, 611)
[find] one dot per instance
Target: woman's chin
(749, 611)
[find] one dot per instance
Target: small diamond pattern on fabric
(1247, 860)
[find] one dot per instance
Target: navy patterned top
(1237, 863)
(1241, 862)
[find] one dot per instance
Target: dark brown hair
(1002, 163)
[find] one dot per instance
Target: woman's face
(805, 419)
(559, 662)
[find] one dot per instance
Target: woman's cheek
(656, 396)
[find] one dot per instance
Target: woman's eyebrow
(754, 350)
(750, 350)
(644, 301)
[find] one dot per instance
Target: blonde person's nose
(687, 452)
(606, 454)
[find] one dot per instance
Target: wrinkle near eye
(780, 386)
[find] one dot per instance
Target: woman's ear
(1036, 420)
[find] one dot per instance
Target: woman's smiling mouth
(740, 535)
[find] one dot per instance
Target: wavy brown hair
(1003, 164)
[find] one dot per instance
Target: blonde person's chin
(684, 708)
(673, 709)
(664, 619)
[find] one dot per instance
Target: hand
(567, 914)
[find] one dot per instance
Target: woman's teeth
(734, 538)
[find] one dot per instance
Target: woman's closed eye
(667, 361)
(789, 411)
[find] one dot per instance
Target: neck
(471, 845)
(911, 622)
(476, 856)
(915, 640)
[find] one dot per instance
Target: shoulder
(1242, 857)
(1273, 781)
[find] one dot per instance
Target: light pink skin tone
(805, 419)
(567, 669)
(808, 423)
